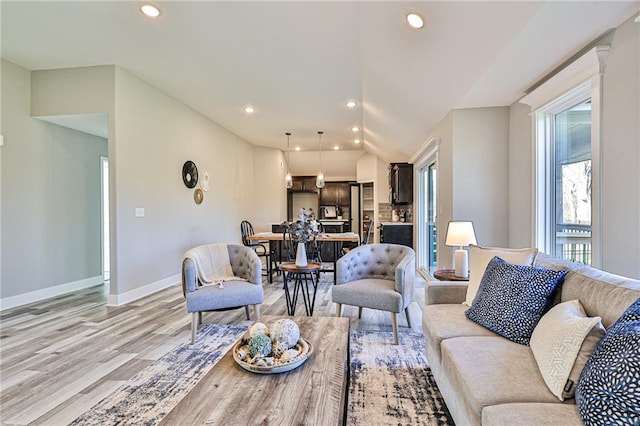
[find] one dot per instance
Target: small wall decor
(204, 182)
(190, 174)
(198, 196)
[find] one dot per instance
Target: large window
(564, 196)
(571, 177)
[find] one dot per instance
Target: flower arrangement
(303, 229)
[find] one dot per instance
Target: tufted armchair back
(383, 261)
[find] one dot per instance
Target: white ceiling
(298, 62)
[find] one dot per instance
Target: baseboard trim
(140, 292)
(49, 292)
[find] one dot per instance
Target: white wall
(473, 175)
(50, 199)
(270, 193)
(481, 172)
(621, 154)
(155, 135)
(336, 165)
(520, 177)
(150, 137)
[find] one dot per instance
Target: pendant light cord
(320, 143)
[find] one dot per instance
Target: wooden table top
(448, 275)
(292, 267)
(312, 394)
(327, 236)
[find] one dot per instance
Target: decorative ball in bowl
(272, 349)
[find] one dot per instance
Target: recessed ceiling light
(637, 20)
(335, 148)
(249, 109)
(415, 21)
(355, 129)
(356, 141)
(351, 104)
(297, 148)
(150, 10)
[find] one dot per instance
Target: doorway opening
(104, 212)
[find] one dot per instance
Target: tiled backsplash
(385, 209)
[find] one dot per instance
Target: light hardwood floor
(61, 356)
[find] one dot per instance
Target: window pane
(572, 238)
(431, 217)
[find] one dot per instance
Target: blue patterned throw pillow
(512, 298)
(608, 391)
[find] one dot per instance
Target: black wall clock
(190, 174)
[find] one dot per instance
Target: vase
(301, 255)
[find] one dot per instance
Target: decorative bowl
(305, 349)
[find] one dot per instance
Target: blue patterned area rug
(392, 384)
(150, 395)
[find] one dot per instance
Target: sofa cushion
(562, 342)
(441, 322)
(374, 293)
(493, 370)
(512, 298)
(527, 414)
(479, 258)
(608, 391)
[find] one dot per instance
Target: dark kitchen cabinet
(397, 234)
(401, 183)
(335, 194)
(304, 184)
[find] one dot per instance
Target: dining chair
(246, 229)
(367, 234)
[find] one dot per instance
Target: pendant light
(288, 180)
(320, 177)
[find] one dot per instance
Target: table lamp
(460, 234)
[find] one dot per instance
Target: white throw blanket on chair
(213, 265)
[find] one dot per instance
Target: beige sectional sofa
(489, 380)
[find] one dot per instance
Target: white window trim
(580, 80)
(426, 155)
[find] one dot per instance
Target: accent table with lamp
(448, 275)
(460, 234)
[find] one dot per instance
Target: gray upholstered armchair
(376, 276)
(246, 264)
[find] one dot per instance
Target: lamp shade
(460, 234)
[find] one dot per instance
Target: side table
(448, 275)
(301, 277)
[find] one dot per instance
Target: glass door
(432, 231)
(426, 218)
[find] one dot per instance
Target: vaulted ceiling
(297, 63)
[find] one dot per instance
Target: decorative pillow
(479, 258)
(562, 342)
(512, 298)
(608, 391)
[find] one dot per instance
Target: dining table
(335, 237)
